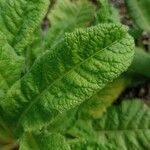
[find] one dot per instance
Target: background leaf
(107, 12)
(126, 126)
(139, 11)
(19, 19)
(140, 64)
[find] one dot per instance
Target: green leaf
(19, 19)
(114, 14)
(98, 104)
(43, 141)
(103, 12)
(64, 10)
(139, 11)
(34, 50)
(10, 65)
(107, 12)
(65, 17)
(90, 109)
(140, 64)
(125, 127)
(81, 136)
(81, 66)
(63, 121)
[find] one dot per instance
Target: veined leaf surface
(125, 127)
(43, 141)
(19, 19)
(10, 65)
(82, 65)
(98, 104)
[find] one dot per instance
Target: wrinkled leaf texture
(43, 140)
(123, 127)
(82, 65)
(10, 65)
(19, 19)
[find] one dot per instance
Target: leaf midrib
(59, 79)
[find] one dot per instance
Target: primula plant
(63, 66)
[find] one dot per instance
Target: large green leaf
(10, 65)
(93, 108)
(64, 10)
(65, 17)
(82, 65)
(19, 19)
(139, 11)
(125, 127)
(43, 141)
